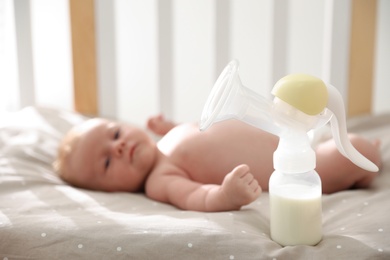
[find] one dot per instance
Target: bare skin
(220, 169)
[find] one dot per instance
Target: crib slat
(84, 55)
(165, 55)
(337, 22)
(106, 58)
(362, 54)
(222, 34)
(24, 52)
(279, 30)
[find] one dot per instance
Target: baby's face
(111, 156)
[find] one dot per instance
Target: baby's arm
(238, 188)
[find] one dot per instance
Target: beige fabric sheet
(42, 217)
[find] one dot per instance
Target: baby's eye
(117, 134)
(107, 163)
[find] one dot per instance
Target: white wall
(250, 41)
(306, 37)
(46, 62)
(193, 56)
(136, 50)
(52, 56)
(164, 55)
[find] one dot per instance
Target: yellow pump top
(304, 92)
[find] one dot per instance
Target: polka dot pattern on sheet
(63, 220)
(360, 214)
(83, 247)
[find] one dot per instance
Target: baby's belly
(213, 167)
(208, 156)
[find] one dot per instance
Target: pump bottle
(295, 193)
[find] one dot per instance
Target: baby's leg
(159, 125)
(339, 173)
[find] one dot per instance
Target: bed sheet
(41, 217)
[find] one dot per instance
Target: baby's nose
(118, 148)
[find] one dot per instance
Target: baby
(220, 169)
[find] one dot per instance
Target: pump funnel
(230, 99)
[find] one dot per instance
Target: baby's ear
(59, 163)
(56, 166)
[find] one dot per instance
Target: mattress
(42, 217)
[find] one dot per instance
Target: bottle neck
(294, 153)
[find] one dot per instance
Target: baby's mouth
(131, 152)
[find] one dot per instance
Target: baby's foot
(377, 143)
(372, 152)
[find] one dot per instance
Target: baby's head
(100, 154)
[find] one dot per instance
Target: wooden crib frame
(361, 61)
(92, 30)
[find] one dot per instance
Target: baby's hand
(240, 187)
(159, 125)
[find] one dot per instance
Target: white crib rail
(24, 50)
(164, 55)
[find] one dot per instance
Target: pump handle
(339, 131)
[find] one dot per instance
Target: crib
(70, 60)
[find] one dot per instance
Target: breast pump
(301, 103)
